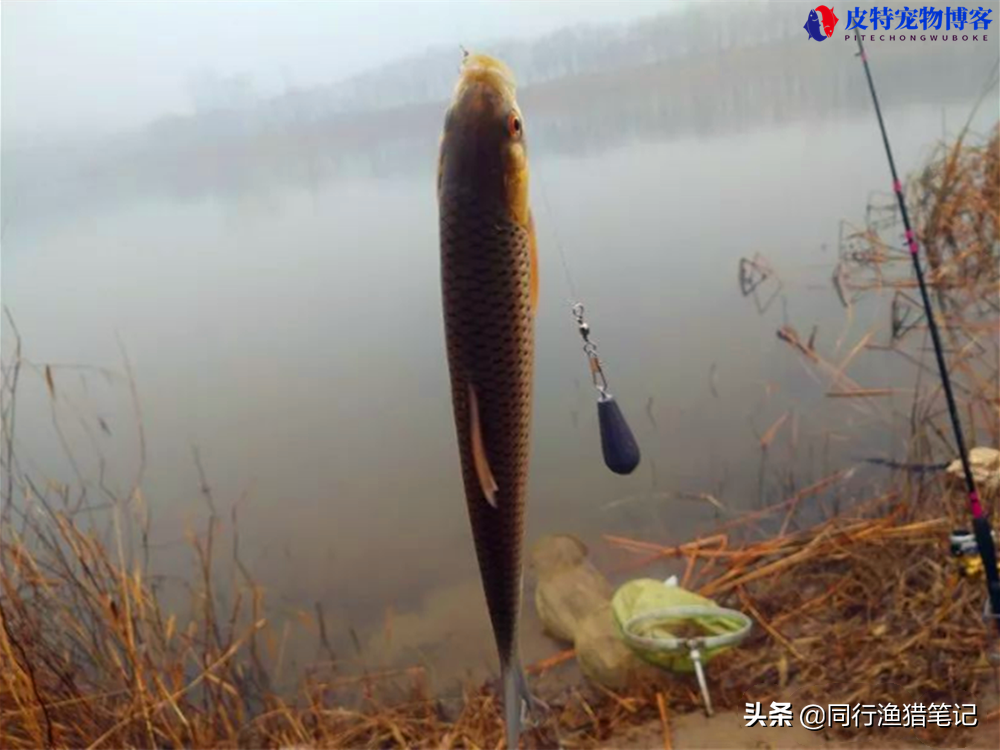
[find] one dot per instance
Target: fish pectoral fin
(479, 459)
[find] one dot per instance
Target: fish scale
(489, 328)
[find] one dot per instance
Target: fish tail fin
(517, 701)
(513, 701)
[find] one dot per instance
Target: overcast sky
(80, 66)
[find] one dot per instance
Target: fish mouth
(477, 63)
(489, 73)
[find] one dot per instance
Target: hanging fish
(489, 280)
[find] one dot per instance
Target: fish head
(483, 141)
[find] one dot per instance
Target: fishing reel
(621, 452)
(965, 552)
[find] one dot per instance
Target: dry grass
(863, 607)
(955, 202)
(866, 609)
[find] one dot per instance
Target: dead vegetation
(863, 607)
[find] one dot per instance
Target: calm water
(294, 336)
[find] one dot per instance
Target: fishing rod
(980, 521)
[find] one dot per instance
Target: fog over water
(267, 256)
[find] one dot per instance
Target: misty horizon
(131, 78)
(703, 69)
(124, 86)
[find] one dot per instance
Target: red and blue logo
(821, 23)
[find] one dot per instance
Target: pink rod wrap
(977, 509)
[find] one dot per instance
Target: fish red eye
(514, 125)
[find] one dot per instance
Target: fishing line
(621, 452)
(559, 246)
(980, 521)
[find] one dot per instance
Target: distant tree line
(714, 69)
